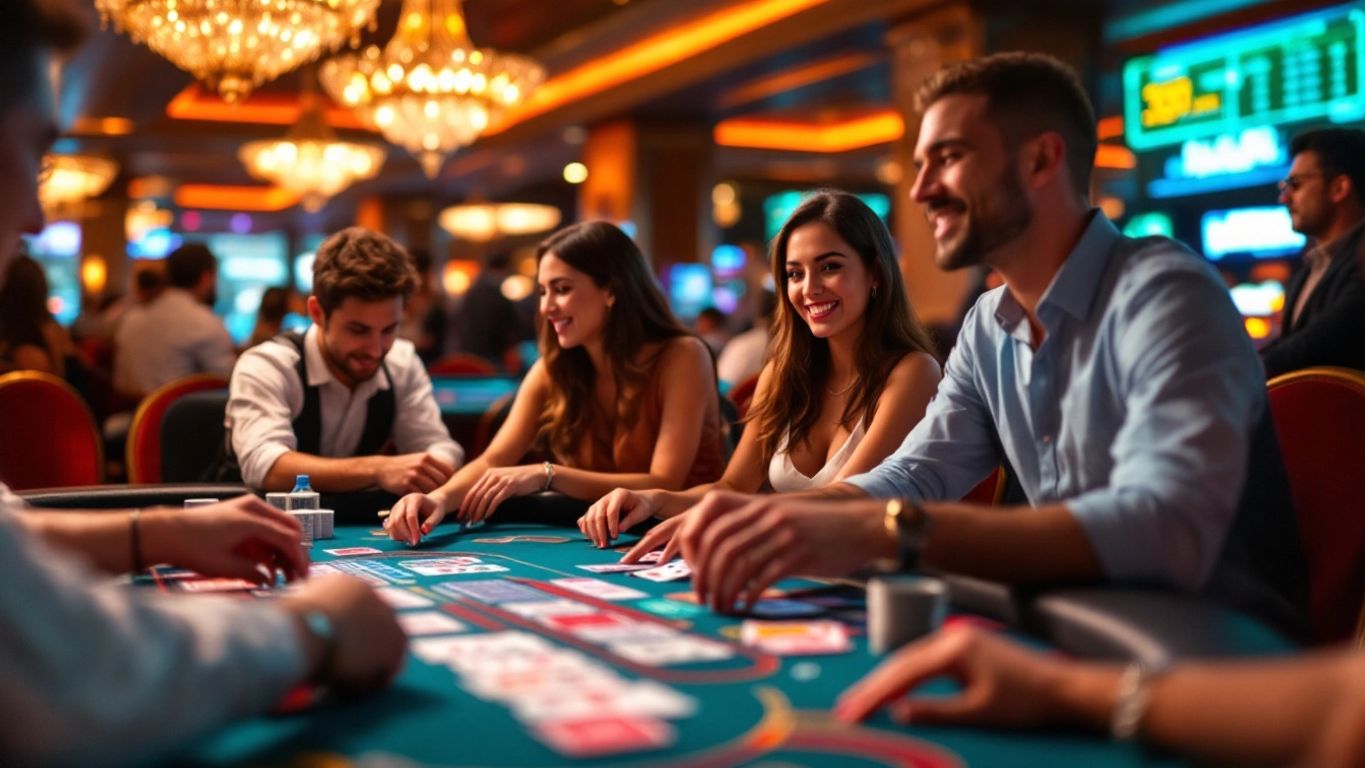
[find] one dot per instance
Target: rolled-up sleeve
(1193, 391)
(417, 424)
(258, 414)
(98, 674)
(953, 447)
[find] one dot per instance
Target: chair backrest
(49, 438)
(743, 394)
(192, 437)
(462, 364)
(1319, 415)
(489, 424)
(144, 436)
(989, 491)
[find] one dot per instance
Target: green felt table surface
(754, 709)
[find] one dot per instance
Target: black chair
(192, 437)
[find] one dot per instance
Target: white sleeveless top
(784, 477)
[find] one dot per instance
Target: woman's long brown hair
(801, 362)
(639, 316)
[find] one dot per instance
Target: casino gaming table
(750, 708)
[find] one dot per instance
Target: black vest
(374, 438)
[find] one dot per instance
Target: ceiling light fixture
(481, 222)
(235, 45)
(429, 90)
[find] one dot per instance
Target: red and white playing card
(350, 551)
(796, 638)
(673, 571)
(599, 588)
(601, 736)
(420, 623)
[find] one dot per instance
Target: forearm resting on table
(584, 484)
(333, 475)
(1019, 545)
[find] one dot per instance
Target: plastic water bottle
(303, 496)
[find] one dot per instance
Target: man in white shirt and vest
(330, 403)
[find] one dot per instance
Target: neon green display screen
(1298, 69)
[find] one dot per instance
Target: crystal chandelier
(235, 45)
(430, 90)
(70, 179)
(310, 159)
(481, 222)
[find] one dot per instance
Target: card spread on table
(216, 585)
(492, 591)
(598, 588)
(673, 571)
(450, 566)
(351, 551)
(616, 567)
(399, 599)
(796, 638)
(605, 735)
(429, 623)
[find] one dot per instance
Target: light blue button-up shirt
(1137, 410)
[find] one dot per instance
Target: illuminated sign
(1249, 158)
(1148, 224)
(1304, 68)
(1260, 232)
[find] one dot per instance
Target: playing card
(616, 567)
(539, 608)
(215, 585)
(401, 598)
(682, 649)
(602, 736)
(428, 623)
(795, 638)
(492, 591)
(673, 571)
(450, 568)
(598, 588)
(350, 551)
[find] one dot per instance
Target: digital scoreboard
(1300, 69)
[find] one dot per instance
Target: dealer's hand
(413, 517)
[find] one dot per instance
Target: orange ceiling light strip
(750, 133)
(654, 53)
(1110, 127)
(240, 198)
(194, 103)
(1115, 157)
(797, 77)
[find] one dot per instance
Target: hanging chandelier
(235, 45)
(310, 159)
(71, 179)
(481, 222)
(430, 90)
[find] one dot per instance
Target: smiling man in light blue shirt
(1113, 374)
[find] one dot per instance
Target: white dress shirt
(171, 337)
(96, 673)
(265, 397)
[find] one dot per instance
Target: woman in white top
(843, 342)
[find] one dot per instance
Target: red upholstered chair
(48, 438)
(144, 436)
(743, 394)
(988, 491)
(1319, 415)
(457, 364)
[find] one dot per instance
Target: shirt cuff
(874, 486)
(256, 466)
(1134, 546)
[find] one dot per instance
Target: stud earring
(874, 291)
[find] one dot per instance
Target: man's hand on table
(740, 545)
(242, 538)
(367, 645)
(411, 473)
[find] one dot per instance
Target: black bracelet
(135, 539)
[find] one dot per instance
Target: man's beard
(998, 218)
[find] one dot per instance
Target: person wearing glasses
(1324, 308)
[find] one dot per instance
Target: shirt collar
(1076, 285)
